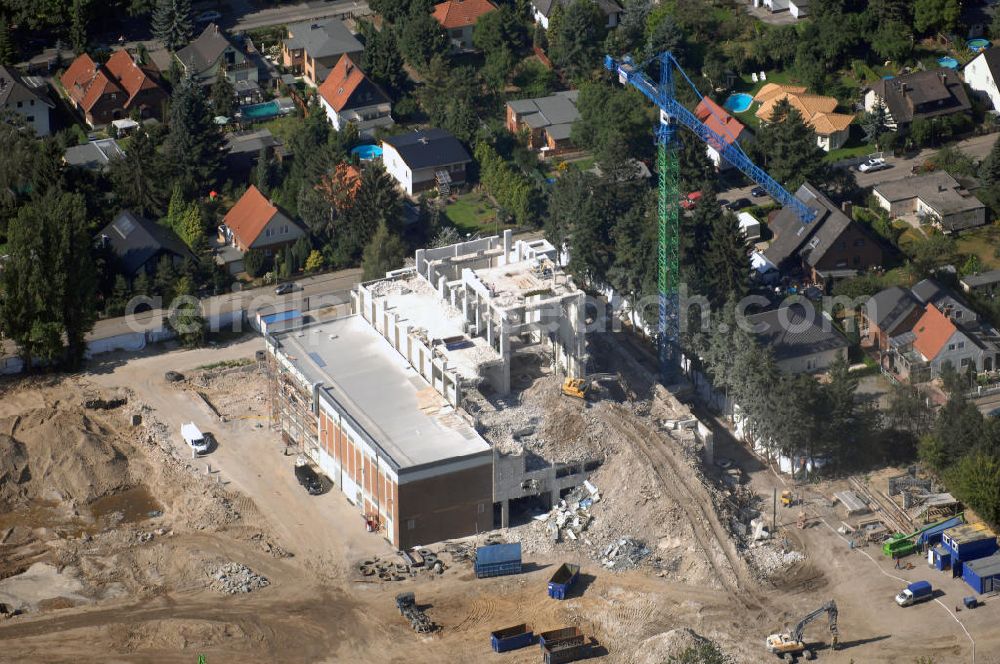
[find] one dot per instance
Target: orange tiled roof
(86, 82)
(130, 76)
(773, 89)
(816, 110)
(340, 84)
(718, 120)
(460, 13)
(249, 216)
(932, 332)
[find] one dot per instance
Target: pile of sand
(58, 453)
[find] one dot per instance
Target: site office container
(511, 638)
(498, 560)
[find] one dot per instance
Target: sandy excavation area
(116, 546)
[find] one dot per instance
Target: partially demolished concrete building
(375, 399)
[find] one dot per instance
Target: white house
(749, 226)
(25, 97)
(982, 74)
(541, 10)
(798, 8)
(349, 97)
(422, 160)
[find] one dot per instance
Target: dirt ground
(110, 535)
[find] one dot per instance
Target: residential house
(119, 88)
(458, 18)
(831, 247)
(213, 53)
(802, 338)
(922, 95)
(832, 129)
(749, 226)
(929, 291)
(726, 126)
(243, 149)
(256, 223)
(27, 97)
(936, 196)
(888, 314)
(425, 159)
(139, 244)
(547, 121)
(542, 10)
(981, 283)
(314, 47)
(93, 155)
(797, 8)
(982, 75)
(935, 341)
(350, 97)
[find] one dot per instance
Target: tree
(254, 262)
(223, 97)
(381, 60)
(788, 147)
(936, 250)
(314, 262)
(875, 124)
(989, 171)
(138, 178)
(612, 117)
(78, 27)
(421, 38)
(893, 40)
(975, 480)
(501, 29)
(6, 47)
(49, 280)
(385, 252)
(936, 15)
(195, 144)
(630, 34)
(263, 174)
(576, 37)
(172, 23)
(727, 259)
(189, 325)
(666, 36)
(696, 168)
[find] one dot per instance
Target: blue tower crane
(673, 113)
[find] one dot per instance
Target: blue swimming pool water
(949, 62)
(738, 102)
(367, 152)
(268, 109)
(978, 44)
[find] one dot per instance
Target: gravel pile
(769, 560)
(235, 578)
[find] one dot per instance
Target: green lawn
(984, 242)
(282, 127)
(472, 213)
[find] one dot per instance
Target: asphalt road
(306, 11)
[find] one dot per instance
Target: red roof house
(349, 97)
(257, 223)
(718, 120)
(115, 90)
(932, 332)
(459, 17)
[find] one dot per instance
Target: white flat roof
(359, 370)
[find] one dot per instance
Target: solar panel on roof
(124, 226)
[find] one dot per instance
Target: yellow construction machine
(579, 388)
(791, 643)
(787, 498)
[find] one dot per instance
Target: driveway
(976, 147)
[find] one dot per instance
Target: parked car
(689, 201)
(872, 165)
(739, 204)
(207, 17)
(308, 478)
(757, 192)
(198, 442)
(284, 289)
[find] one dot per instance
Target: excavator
(792, 644)
(579, 388)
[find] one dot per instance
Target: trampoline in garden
(737, 103)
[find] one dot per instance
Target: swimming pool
(949, 62)
(367, 152)
(268, 109)
(978, 44)
(737, 103)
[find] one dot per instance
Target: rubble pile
(234, 578)
(626, 553)
(568, 519)
(769, 560)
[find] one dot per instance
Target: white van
(195, 438)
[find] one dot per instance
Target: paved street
(306, 11)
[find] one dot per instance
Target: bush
(255, 262)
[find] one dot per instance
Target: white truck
(196, 440)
